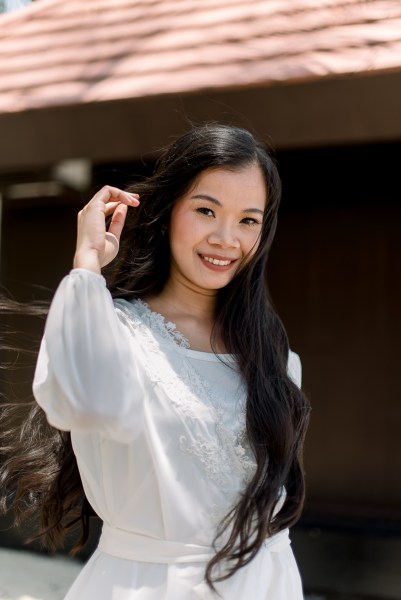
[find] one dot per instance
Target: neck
(180, 298)
(192, 309)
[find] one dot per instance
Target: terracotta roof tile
(55, 52)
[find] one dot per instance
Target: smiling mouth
(217, 261)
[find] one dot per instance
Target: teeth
(214, 261)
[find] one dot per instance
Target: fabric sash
(139, 547)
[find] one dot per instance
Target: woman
(180, 397)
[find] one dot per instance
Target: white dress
(158, 432)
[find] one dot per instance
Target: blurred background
(91, 89)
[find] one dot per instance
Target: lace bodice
(226, 452)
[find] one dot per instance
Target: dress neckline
(161, 324)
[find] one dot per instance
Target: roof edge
(27, 11)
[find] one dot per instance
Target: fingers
(111, 249)
(117, 221)
(109, 193)
(112, 236)
(111, 207)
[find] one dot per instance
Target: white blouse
(158, 430)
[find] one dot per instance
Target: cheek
(176, 228)
(253, 243)
(181, 235)
(185, 230)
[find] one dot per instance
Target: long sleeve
(86, 376)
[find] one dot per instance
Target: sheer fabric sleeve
(86, 376)
(294, 368)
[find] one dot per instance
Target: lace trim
(225, 456)
(166, 329)
(159, 371)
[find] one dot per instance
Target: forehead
(245, 183)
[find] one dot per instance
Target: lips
(217, 261)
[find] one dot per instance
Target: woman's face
(215, 227)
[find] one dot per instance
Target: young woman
(179, 401)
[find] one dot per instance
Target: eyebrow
(218, 203)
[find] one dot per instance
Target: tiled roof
(57, 52)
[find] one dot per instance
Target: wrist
(88, 260)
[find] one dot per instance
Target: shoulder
(294, 368)
(130, 312)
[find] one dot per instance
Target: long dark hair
(276, 411)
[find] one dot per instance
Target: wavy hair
(276, 410)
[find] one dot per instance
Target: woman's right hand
(96, 246)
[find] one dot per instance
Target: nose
(224, 235)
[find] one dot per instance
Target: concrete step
(28, 575)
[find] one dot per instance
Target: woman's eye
(205, 211)
(250, 221)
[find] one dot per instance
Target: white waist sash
(139, 547)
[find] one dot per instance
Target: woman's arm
(86, 376)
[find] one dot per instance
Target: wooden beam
(348, 110)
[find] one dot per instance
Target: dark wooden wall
(335, 279)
